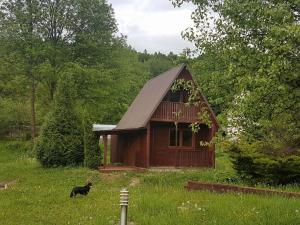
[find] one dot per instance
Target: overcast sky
(154, 25)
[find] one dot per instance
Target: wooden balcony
(175, 111)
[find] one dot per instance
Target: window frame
(180, 138)
(183, 96)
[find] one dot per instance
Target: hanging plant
(193, 100)
(203, 116)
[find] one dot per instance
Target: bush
(61, 139)
(264, 162)
(92, 156)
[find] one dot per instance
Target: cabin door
(161, 154)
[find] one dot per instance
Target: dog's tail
(72, 194)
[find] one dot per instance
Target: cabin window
(185, 96)
(184, 138)
(187, 138)
(166, 98)
(173, 138)
(175, 96)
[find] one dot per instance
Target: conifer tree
(61, 140)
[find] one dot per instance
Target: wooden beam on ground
(215, 187)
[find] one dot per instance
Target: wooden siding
(130, 149)
(166, 111)
(183, 158)
(197, 158)
(164, 155)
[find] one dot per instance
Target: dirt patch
(108, 177)
(134, 182)
(5, 185)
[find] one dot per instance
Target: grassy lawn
(41, 196)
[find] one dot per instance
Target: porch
(129, 149)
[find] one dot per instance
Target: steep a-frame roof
(146, 102)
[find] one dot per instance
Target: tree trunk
(30, 72)
(51, 90)
(33, 119)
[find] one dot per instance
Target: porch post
(105, 149)
(148, 148)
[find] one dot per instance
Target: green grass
(41, 196)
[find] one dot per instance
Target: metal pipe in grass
(124, 196)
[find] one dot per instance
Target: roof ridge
(161, 74)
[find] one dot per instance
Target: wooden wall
(162, 154)
(129, 149)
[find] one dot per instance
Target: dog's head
(89, 184)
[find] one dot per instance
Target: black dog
(81, 190)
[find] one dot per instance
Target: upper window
(175, 96)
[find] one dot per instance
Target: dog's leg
(72, 194)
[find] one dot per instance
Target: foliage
(39, 40)
(61, 140)
(256, 42)
(264, 162)
(255, 87)
(92, 157)
(14, 115)
(158, 62)
(68, 37)
(20, 146)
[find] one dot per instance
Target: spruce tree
(61, 139)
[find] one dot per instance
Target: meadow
(41, 196)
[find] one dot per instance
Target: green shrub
(61, 139)
(92, 156)
(264, 162)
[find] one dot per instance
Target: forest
(246, 62)
(44, 40)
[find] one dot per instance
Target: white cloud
(154, 25)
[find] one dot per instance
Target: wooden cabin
(146, 134)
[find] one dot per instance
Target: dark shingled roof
(144, 105)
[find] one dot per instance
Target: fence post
(124, 196)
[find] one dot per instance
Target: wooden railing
(196, 158)
(171, 111)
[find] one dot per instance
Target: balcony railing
(176, 111)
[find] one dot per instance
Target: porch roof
(117, 131)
